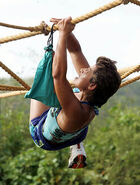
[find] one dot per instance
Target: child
(55, 128)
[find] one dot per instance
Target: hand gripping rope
(44, 28)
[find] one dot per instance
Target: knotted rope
(41, 28)
(44, 28)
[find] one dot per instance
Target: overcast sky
(114, 34)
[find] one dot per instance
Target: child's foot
(78, 156)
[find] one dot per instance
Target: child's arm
(77, 56)
(74, 48)
(63, 90)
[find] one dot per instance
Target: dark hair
(107, 81)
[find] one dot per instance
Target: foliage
(112, 146)
(115, 148)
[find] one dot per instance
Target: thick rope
(97, 11)
(126, 69)
(6, 95)
(129, 81)
(42, 27)
(19, 36)
(74, 21)
(10, 88)
(14, 76)
(135, 2)
(134, 69)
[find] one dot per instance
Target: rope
(6, 95)
(42, 27)
(11, 88)
(134, 69)
(14, 76)
(97, 11)
(129, 81)
(125, 70)
(19, 36)
(38, 29)
(135, 2)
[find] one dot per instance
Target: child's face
(83, 81)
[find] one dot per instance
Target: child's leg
(37, 108)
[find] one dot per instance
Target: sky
(114, 33)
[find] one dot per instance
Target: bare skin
(73, 115)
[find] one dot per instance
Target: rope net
(43, 28)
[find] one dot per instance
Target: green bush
(14, 127)
(113, 156)
(112, 147)
(114, 150)
(37, 167)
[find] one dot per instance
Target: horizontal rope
(6, 95)
(42, 27)
(11, 88)
(48, 28)
(16, 26)
(14, 76)
(19, 36)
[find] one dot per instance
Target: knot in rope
(125, 2)
(44, 28)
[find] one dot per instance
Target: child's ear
(92, 86)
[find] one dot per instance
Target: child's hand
(65, 26)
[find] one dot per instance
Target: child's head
(107, 81)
